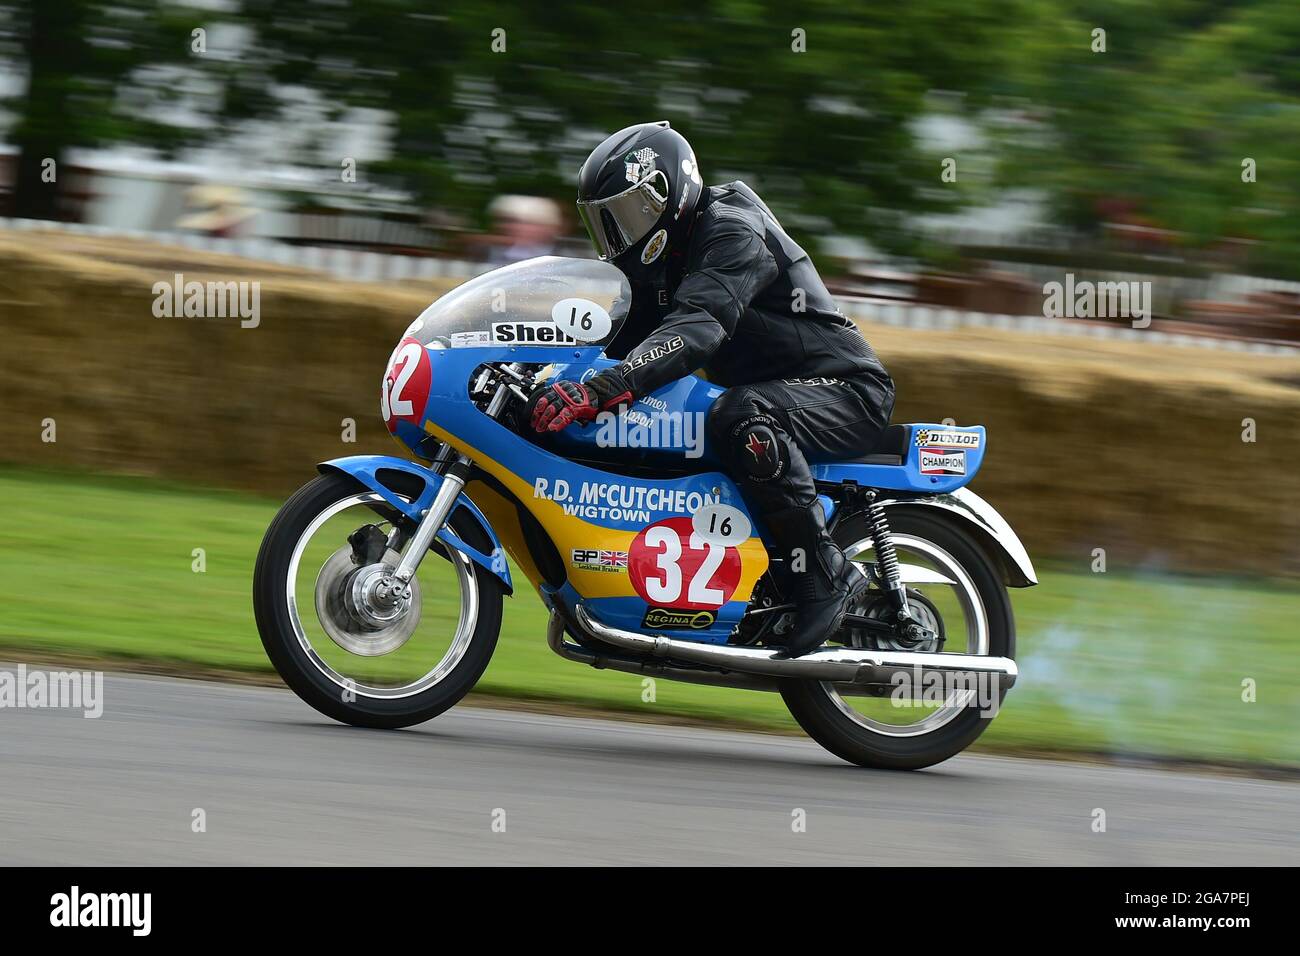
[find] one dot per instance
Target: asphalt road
(280, 784)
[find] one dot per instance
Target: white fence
(353, 264)
(914, 316)
(363, 266)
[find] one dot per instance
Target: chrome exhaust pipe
(649, 667)
(841, 665)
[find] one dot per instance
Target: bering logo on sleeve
(654, 354)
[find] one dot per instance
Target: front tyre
(370, 666)
(974, 614)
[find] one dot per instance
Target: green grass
(1120, 662)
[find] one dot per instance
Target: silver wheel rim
(455, 652)
(977, 639)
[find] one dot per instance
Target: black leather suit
(745, 303)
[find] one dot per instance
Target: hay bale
(1128, 446)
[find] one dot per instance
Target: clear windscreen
(547, 301)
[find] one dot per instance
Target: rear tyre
(823, 714)
(306, 670)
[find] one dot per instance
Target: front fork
(431, 523)
(455, 469)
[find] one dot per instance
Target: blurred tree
(1153, 132)
(77, 56)
(815, 106)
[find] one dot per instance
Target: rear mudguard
(991, 529)
(376, 473)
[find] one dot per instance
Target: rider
(717, 283)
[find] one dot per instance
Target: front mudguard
(394, 480)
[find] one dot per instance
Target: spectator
(523, 227)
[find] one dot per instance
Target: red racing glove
(558, 405)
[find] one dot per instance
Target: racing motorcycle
(379, 586)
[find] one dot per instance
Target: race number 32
(671, 565)
(405, 389)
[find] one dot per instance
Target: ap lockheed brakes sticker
(671, 566)
(943, 461)
(591, 559)
(946, 438)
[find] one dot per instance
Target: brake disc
(351, 606)
(924, 613)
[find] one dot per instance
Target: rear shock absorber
(886, 556)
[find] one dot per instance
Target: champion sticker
(943, 461)
(655, 247)
(947, 438)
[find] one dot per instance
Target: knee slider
(758, 449)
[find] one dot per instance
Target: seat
(891, 449)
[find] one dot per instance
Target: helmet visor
(621, 221)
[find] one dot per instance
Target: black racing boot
(826, 583)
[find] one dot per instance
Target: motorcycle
(378, 589)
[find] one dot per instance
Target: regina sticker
(655, 247)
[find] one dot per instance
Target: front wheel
(972, 615)
(321, 609)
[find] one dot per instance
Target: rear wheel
(972, 614)
(332, 634)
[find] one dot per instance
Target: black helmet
(637, 194)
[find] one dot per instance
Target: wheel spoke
(943, 599)
(349, 626)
